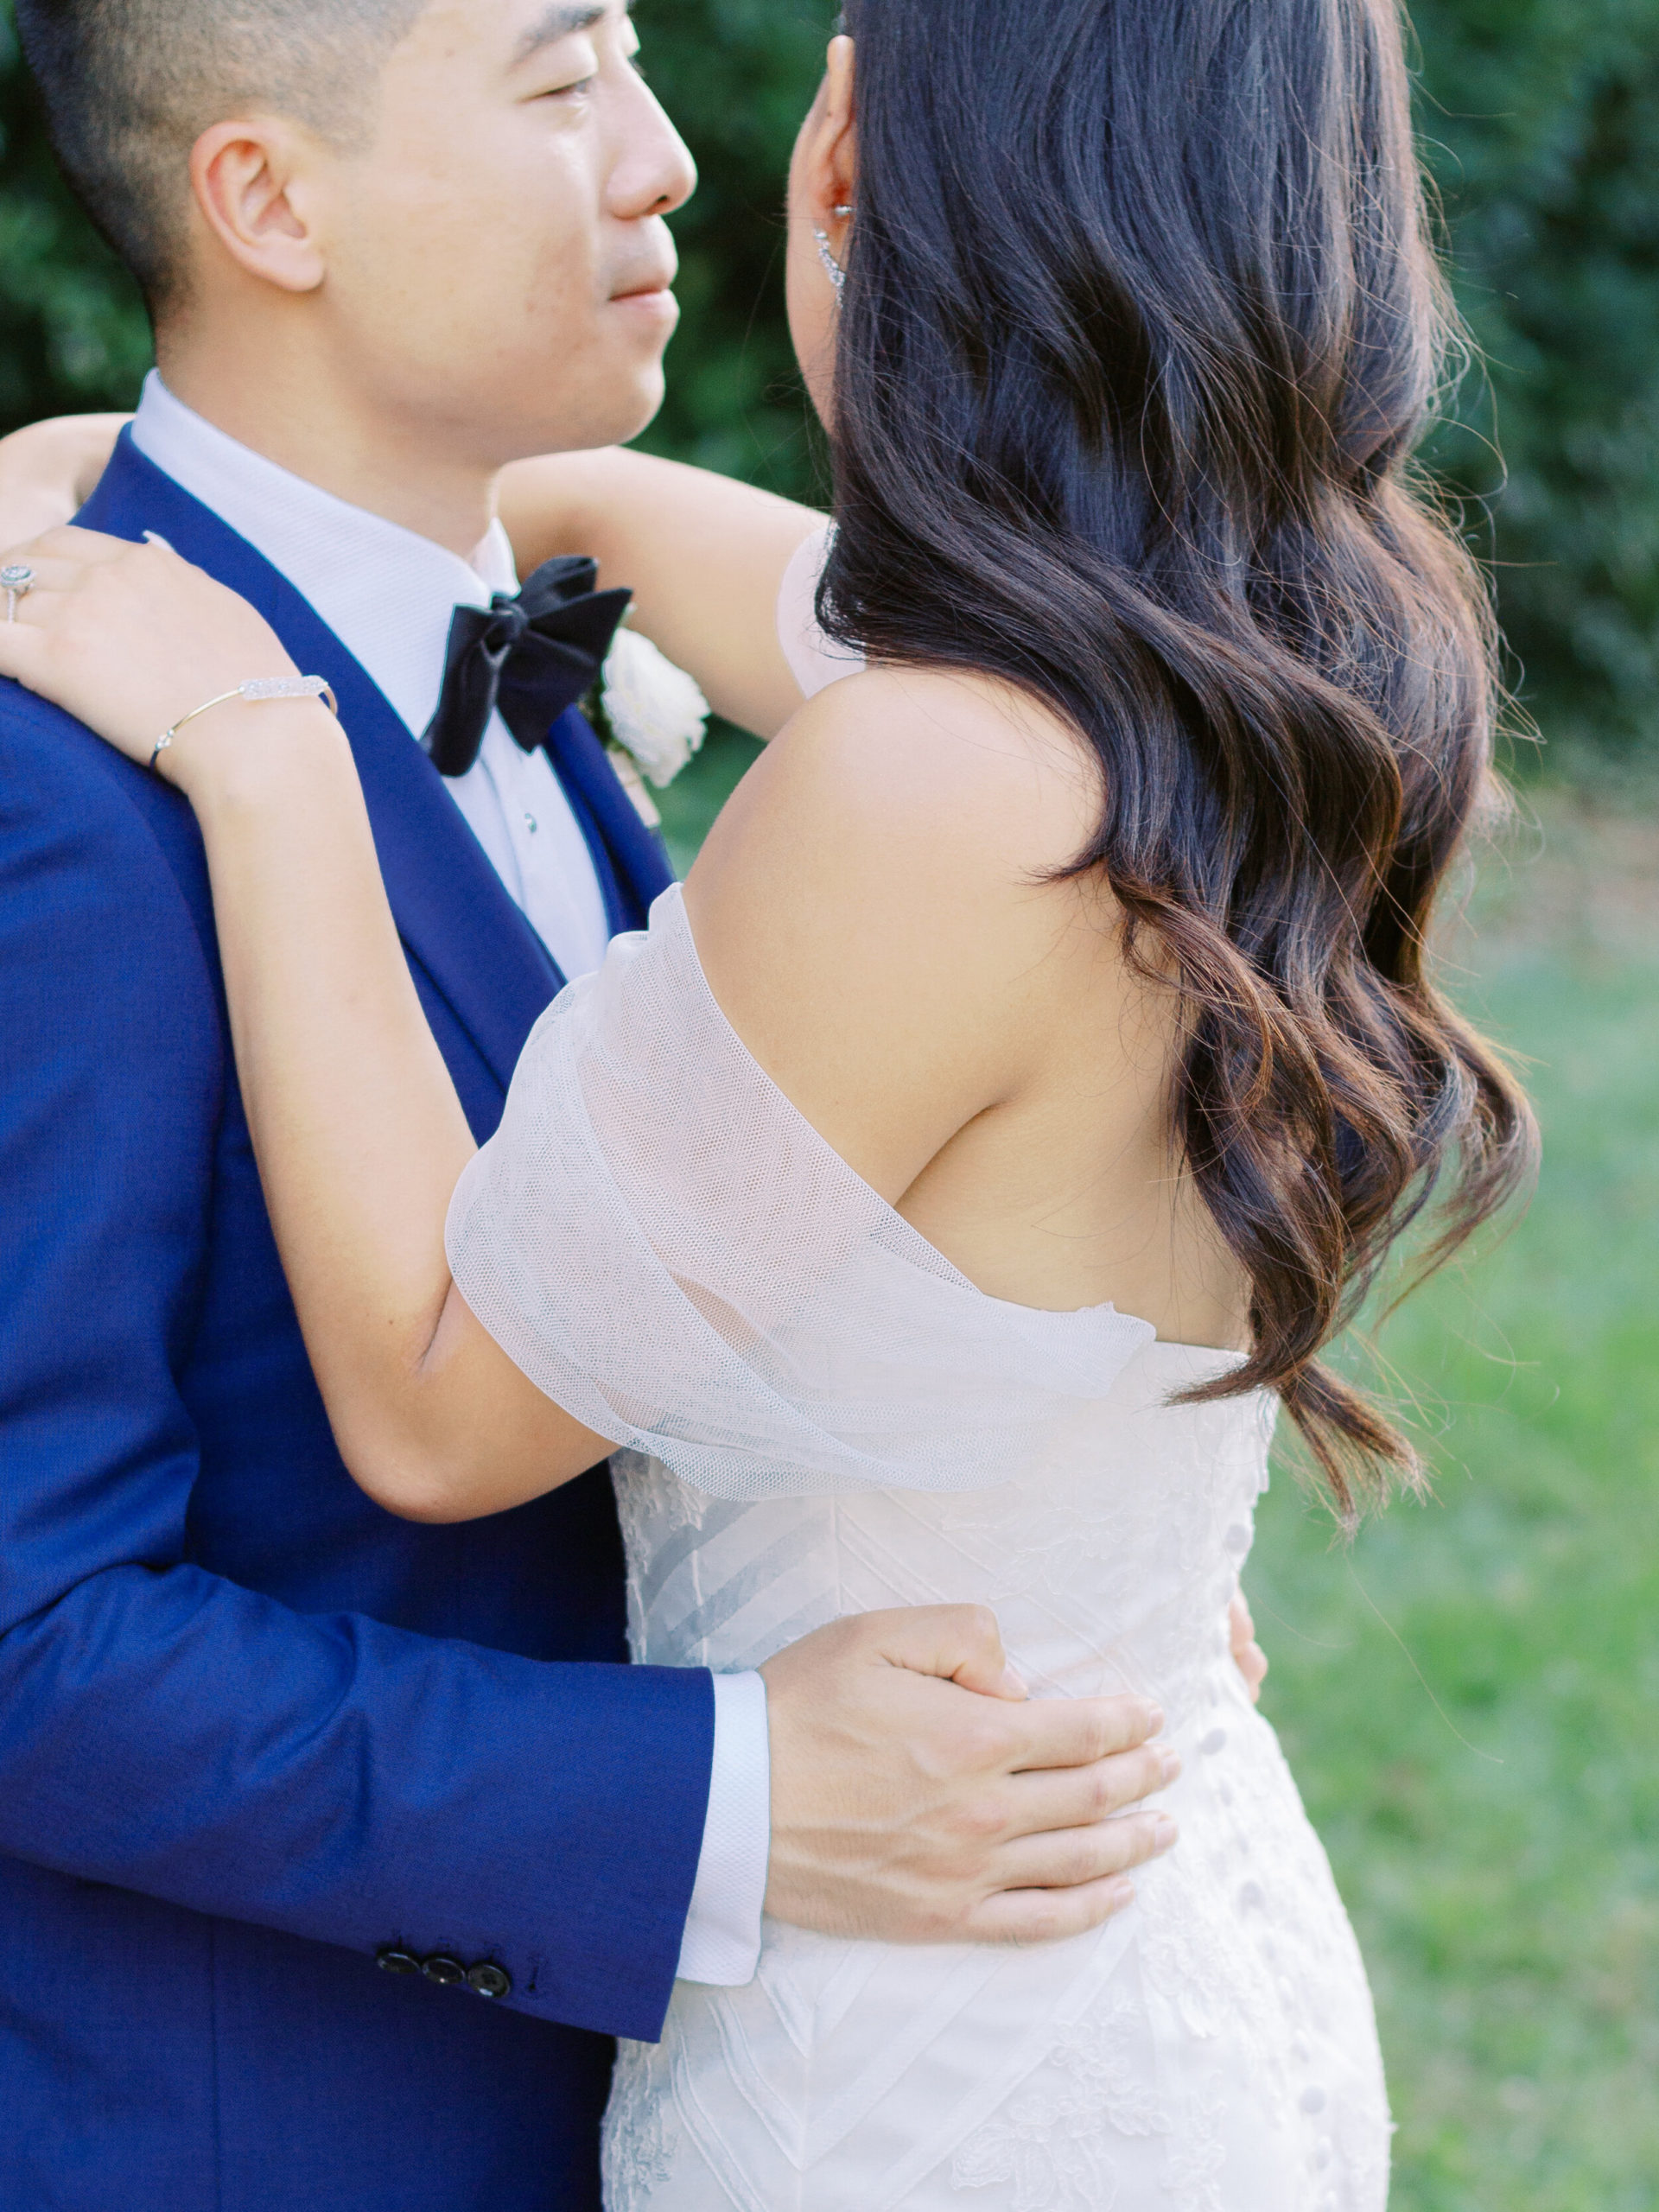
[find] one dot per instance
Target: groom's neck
(295, 411)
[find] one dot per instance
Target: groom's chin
(632, 405)
(598, 394)
(638, 328)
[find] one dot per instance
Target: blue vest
(255, 1733)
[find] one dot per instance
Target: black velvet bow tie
(532, 657)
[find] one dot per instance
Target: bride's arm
(703, 555)
(889, 992)
(359, 1136)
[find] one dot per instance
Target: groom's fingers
(957, 1643)
(1044, 1888)
(1045, 1915)
(905, 1803)
(1069, 1797)
(1072, 1858)
(1055, 1731)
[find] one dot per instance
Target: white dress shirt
(388, 595)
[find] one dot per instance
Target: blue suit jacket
(253, 1731)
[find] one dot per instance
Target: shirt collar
(386, 593)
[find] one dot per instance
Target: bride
(938, 1201)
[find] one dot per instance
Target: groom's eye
(567, 84)
(573, 94)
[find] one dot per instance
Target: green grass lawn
(1470, 1693)
(1500, 1854)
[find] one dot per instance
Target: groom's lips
(652, 296)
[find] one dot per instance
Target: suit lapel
(452, 911)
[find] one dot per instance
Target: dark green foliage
(737, 76)
(72, 333)
(1541, 118)
(1541, 123)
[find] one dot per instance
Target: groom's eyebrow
(563, 20)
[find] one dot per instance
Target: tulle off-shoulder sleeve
(669, 1249)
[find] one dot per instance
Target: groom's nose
(654, 172)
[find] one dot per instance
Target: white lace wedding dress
(821, 1415)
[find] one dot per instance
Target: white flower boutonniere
(653, 716)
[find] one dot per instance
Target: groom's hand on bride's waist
(918, 1795)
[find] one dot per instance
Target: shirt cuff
(721, 1945)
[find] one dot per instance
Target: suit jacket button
(489, 1981)
(442, 1969)
(395, 1960)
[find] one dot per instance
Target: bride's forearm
(359, 1137)
(339, 1070)
(703, 554)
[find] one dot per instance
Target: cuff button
(392, 1960)
(488, 1981)
(442, 1969)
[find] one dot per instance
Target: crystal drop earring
(832, 268)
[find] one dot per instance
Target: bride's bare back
(877, 912)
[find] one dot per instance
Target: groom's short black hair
(130, 84)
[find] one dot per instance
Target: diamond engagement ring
(14, 580)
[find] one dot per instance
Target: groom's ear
(251, 183)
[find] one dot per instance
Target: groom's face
(498, 267)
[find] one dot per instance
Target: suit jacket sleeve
(164, 1729)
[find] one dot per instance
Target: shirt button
(393, 1959)
(489, 1981)
(530, 823)
(445, 1971)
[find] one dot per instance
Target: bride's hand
(49, 470)
(129, 639)
(1247, 1655)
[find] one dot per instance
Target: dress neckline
(672, 901)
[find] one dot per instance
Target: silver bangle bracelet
(257, 687)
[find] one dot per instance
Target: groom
(334, 1850)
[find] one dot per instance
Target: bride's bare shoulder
(959, 776)
(875, 912)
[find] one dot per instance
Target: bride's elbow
(415, 1485)
(443, 1474)
(435, 1507)
(457, 1437)
(401, 1449)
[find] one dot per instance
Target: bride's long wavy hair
(1142, 325)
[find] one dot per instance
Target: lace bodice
(821, 1415)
